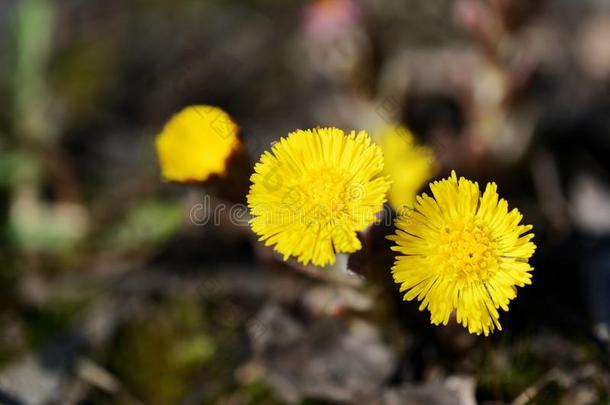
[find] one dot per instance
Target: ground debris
(331, 359)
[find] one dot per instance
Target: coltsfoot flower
(196, 143)
(314, 191)
(462, 251)
(408, 165)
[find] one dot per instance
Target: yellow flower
(408, 165)
(462, 251)
(196, 143)
(314, 191)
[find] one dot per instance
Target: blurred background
(120, 288)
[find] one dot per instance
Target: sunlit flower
(196, 143)
(314, 191)
(408, 165)
(462, 251)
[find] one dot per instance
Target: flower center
(467, 251)
(322, 196)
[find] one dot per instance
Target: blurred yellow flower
(314, 191)
(196, 143)
(462, 251)
(408, 165)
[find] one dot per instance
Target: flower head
(408, 165)
(196, 143)
(462, 251)
(314, 191)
